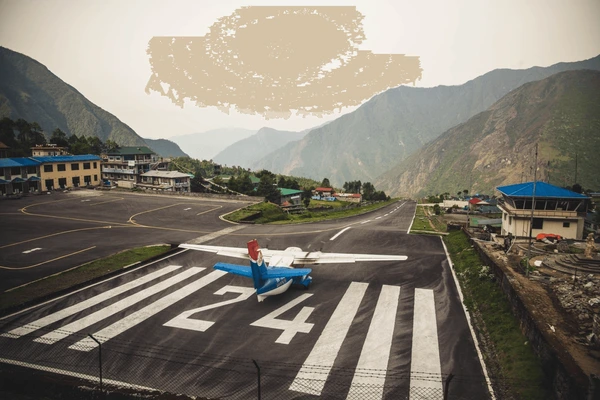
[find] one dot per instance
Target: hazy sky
(99, 47)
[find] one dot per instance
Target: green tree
(267, 189)
(325, 183)
(368, 191)
(59, 138)
(7, 132)
(306, 196)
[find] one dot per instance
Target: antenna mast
(532, 210)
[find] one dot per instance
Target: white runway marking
(375, 354)
(313, 374)
(425, 357)
(364, 222)
(74, 309)
(378, 218)
(289, 328)
(89, 320)
(339, 233)
(29, 251)
(139, 316)
(189, 208)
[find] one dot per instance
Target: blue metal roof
(18, 162)
(542, 189)
(83, 157)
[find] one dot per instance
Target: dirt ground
(563, 305)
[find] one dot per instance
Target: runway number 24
(289, 327)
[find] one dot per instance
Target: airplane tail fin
(256, 263)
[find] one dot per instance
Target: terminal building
(554, 209)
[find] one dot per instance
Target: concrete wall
(451, 203)
(568, 380)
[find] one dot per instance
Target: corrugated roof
(131, 150)
(289, 192)
(52, 159)
(166, 174)
(542, 189)
(18, 162)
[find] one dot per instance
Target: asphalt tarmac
(363, 330)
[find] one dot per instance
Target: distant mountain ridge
(497, 146)
(30, 91)
(369, 141)
(165, 148)
(246, 152)
(206, 145)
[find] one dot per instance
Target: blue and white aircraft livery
(279, 274)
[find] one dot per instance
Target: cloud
(274, 61)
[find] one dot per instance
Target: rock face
(30, 91)
(391, 126)
(496, 147)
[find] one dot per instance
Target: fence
(147, 369)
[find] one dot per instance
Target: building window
(87, 179)
(86, 165)
(566, 224)
(15, 171)
(95, 165)
(48, 168)
(76, 181)
(538, 223)
(75, 167)
(31, 170)
(95, 178)
(62, 182)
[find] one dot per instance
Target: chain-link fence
(141, 367)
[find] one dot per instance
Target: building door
(49, 183)
(62, 183)
(76, 181)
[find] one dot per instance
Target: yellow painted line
(60, 233)
(212, 209)
(131, 219)
(46, 262)
(73, 219)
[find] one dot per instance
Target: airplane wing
(276, 272)
(299, 257)
(318, 257)
(236, 252)
(241, 270)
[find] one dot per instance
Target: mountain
(497, 147)
(246, 152)
(165, 148)
(30, 91)
(206, 145)
(393, 125)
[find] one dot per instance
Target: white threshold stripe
(375, 353)
(78, 307)
(143, 314)
(313, 373)
(425, 356)
(460, 295)
(199, 240)
(112, 309)
(339, 233)
(364, 222)
(91, 378)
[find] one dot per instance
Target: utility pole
(532, 210)
(575, 169)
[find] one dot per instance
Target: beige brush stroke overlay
(270, 61)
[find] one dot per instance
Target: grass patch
(424, 218)
(520, 371)
(265, 213)
(78, 275)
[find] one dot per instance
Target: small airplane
(280, 274)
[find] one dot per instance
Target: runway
(364, 330)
